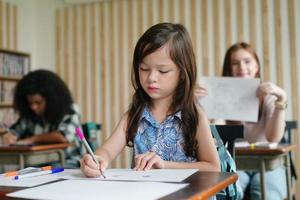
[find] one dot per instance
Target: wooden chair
(91, 133)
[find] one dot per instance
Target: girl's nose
(34, 107)
(242, 65)
(152, 76)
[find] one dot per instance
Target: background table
(203, 185)
(33, 155)
(263, 159)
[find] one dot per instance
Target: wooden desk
(33, 155)
(202, 186)
(263, 159)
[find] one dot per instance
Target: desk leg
(62, 157)
(288, 175)
(262, 180)
(21, 161)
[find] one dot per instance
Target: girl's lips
(152, 89)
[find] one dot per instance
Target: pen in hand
(88, 148)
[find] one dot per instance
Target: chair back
(287, 138)
(289, 126)
(228, 134)
(91, 133)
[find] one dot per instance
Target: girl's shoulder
(124, 119)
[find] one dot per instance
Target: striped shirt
(25, 128)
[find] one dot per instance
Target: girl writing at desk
(163, 124)
(242, 61)
(47, 114)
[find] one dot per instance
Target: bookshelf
(13, 66)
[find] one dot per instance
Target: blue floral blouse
(165, 139)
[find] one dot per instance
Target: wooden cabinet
(13, 66)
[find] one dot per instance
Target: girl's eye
(163, 72)
(144, 69)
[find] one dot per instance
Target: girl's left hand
(270, 88)
(147, 161)
(200, 91)
(27, 141)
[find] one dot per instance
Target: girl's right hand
(200, 91)
(148, 161)
(9, 138)
(90, 168)
(266, 88)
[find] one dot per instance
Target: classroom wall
(32, 30)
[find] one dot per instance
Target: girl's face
(37, 104)
(243, 64)
(159, 75)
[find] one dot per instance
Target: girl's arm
(276, 123)
(207, 153)
(107, 152)
(115, 143)
(45, 138)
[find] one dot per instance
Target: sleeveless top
(165, 139)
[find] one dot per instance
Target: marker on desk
(26, 171)
(87, 146)
(40, 173)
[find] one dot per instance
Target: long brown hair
(182, 54)
(227, 71)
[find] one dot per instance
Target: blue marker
(40, 173)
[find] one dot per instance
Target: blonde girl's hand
(9, 138)
(266, 88)
(200, 91)
(148, 160)
(91, 169)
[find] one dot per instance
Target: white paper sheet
(256, 144)
(95, 190)
(28, 182)
(160, 175)
(230, 98)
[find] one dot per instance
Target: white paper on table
(230, 98)
(157, 175)
(256, 144)
(95, 190)
(28, 182)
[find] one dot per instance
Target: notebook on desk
(241, 144)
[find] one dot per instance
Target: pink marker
(87, 146)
